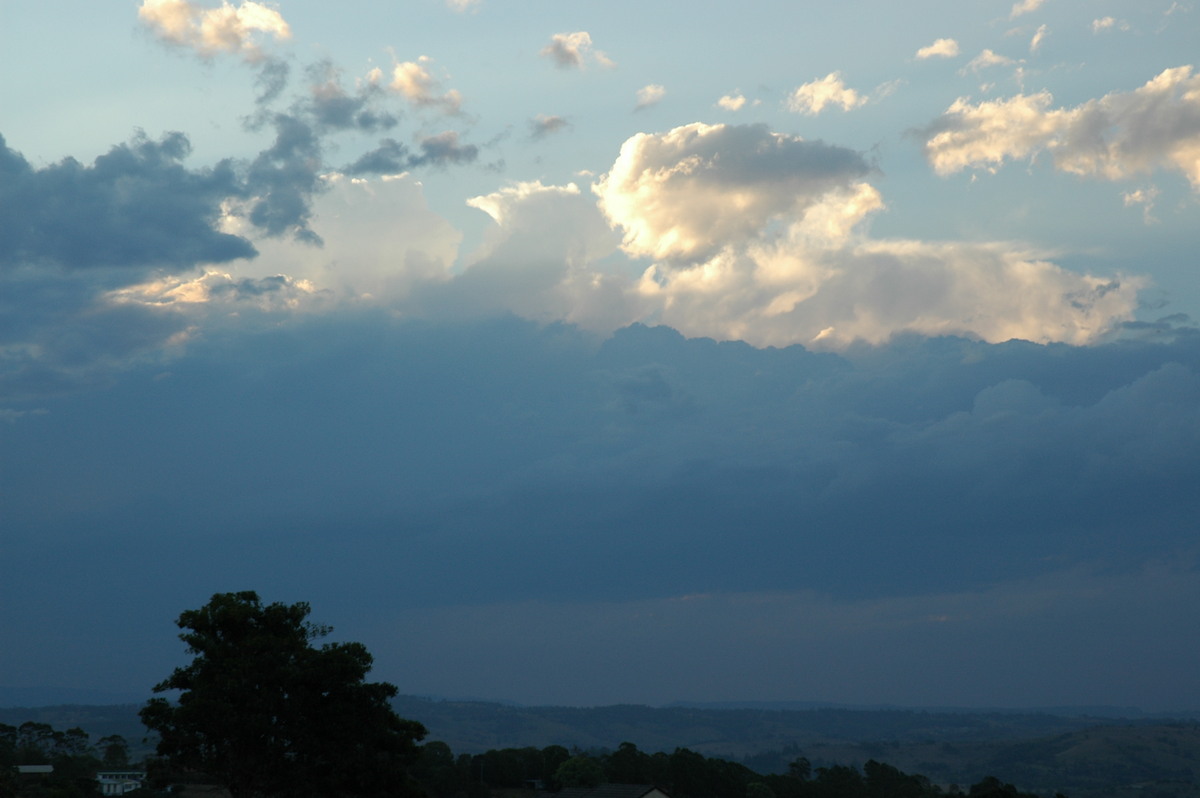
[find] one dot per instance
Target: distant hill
(97, 721)
(474, 726)
(57, 696)
(1083, 756)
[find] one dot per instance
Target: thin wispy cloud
(1025, 7)
(1039, 37)
(1108, 23)
(987, 59)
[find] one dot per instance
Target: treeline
(683, 774)
(441, 774)
(75, 761)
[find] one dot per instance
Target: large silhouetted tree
(268, 715)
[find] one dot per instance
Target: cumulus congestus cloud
(686, 193)
(759, 236)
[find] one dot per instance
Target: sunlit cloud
(684, 194)
(941, 48)
(650, 95)
(413, 81)
(462, 6)
(1145, 197)
(813, 97)
(731, 102)
(1038, 37)
(1025, 7)
(760, 237)
(986, 60)
(1108, 23)
(1115, 137)
(208, 31)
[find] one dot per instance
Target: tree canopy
(265, 713)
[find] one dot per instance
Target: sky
(589, 353)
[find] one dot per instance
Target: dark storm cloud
(283, 179)
(333, 108)
(539, 474)
(135, 207)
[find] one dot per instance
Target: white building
(119, 782)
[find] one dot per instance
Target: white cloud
(571, 51)
(1145, 197)
(539, 261)
(381, 242)
(276, 292)
(813, 97)
(731, 102)
(208, 31)
(755, 237)
(986, 60)
(1038, 37)
(1025, 7)
(461, 6)
(650, 95)
(942, 48)
(685, 193)
(413, 81)
(1115, 137)
(1108, 23)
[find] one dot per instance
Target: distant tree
(992, 787)
(268, 715)
(552, 757)
(800, 768)
(628, 765)
(114, 751)
(580, 771)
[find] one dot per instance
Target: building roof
(610, 791)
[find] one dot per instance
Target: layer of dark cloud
(398, 472)
(135, 207)
(391, 157)
(283, 179)
(333, 108)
